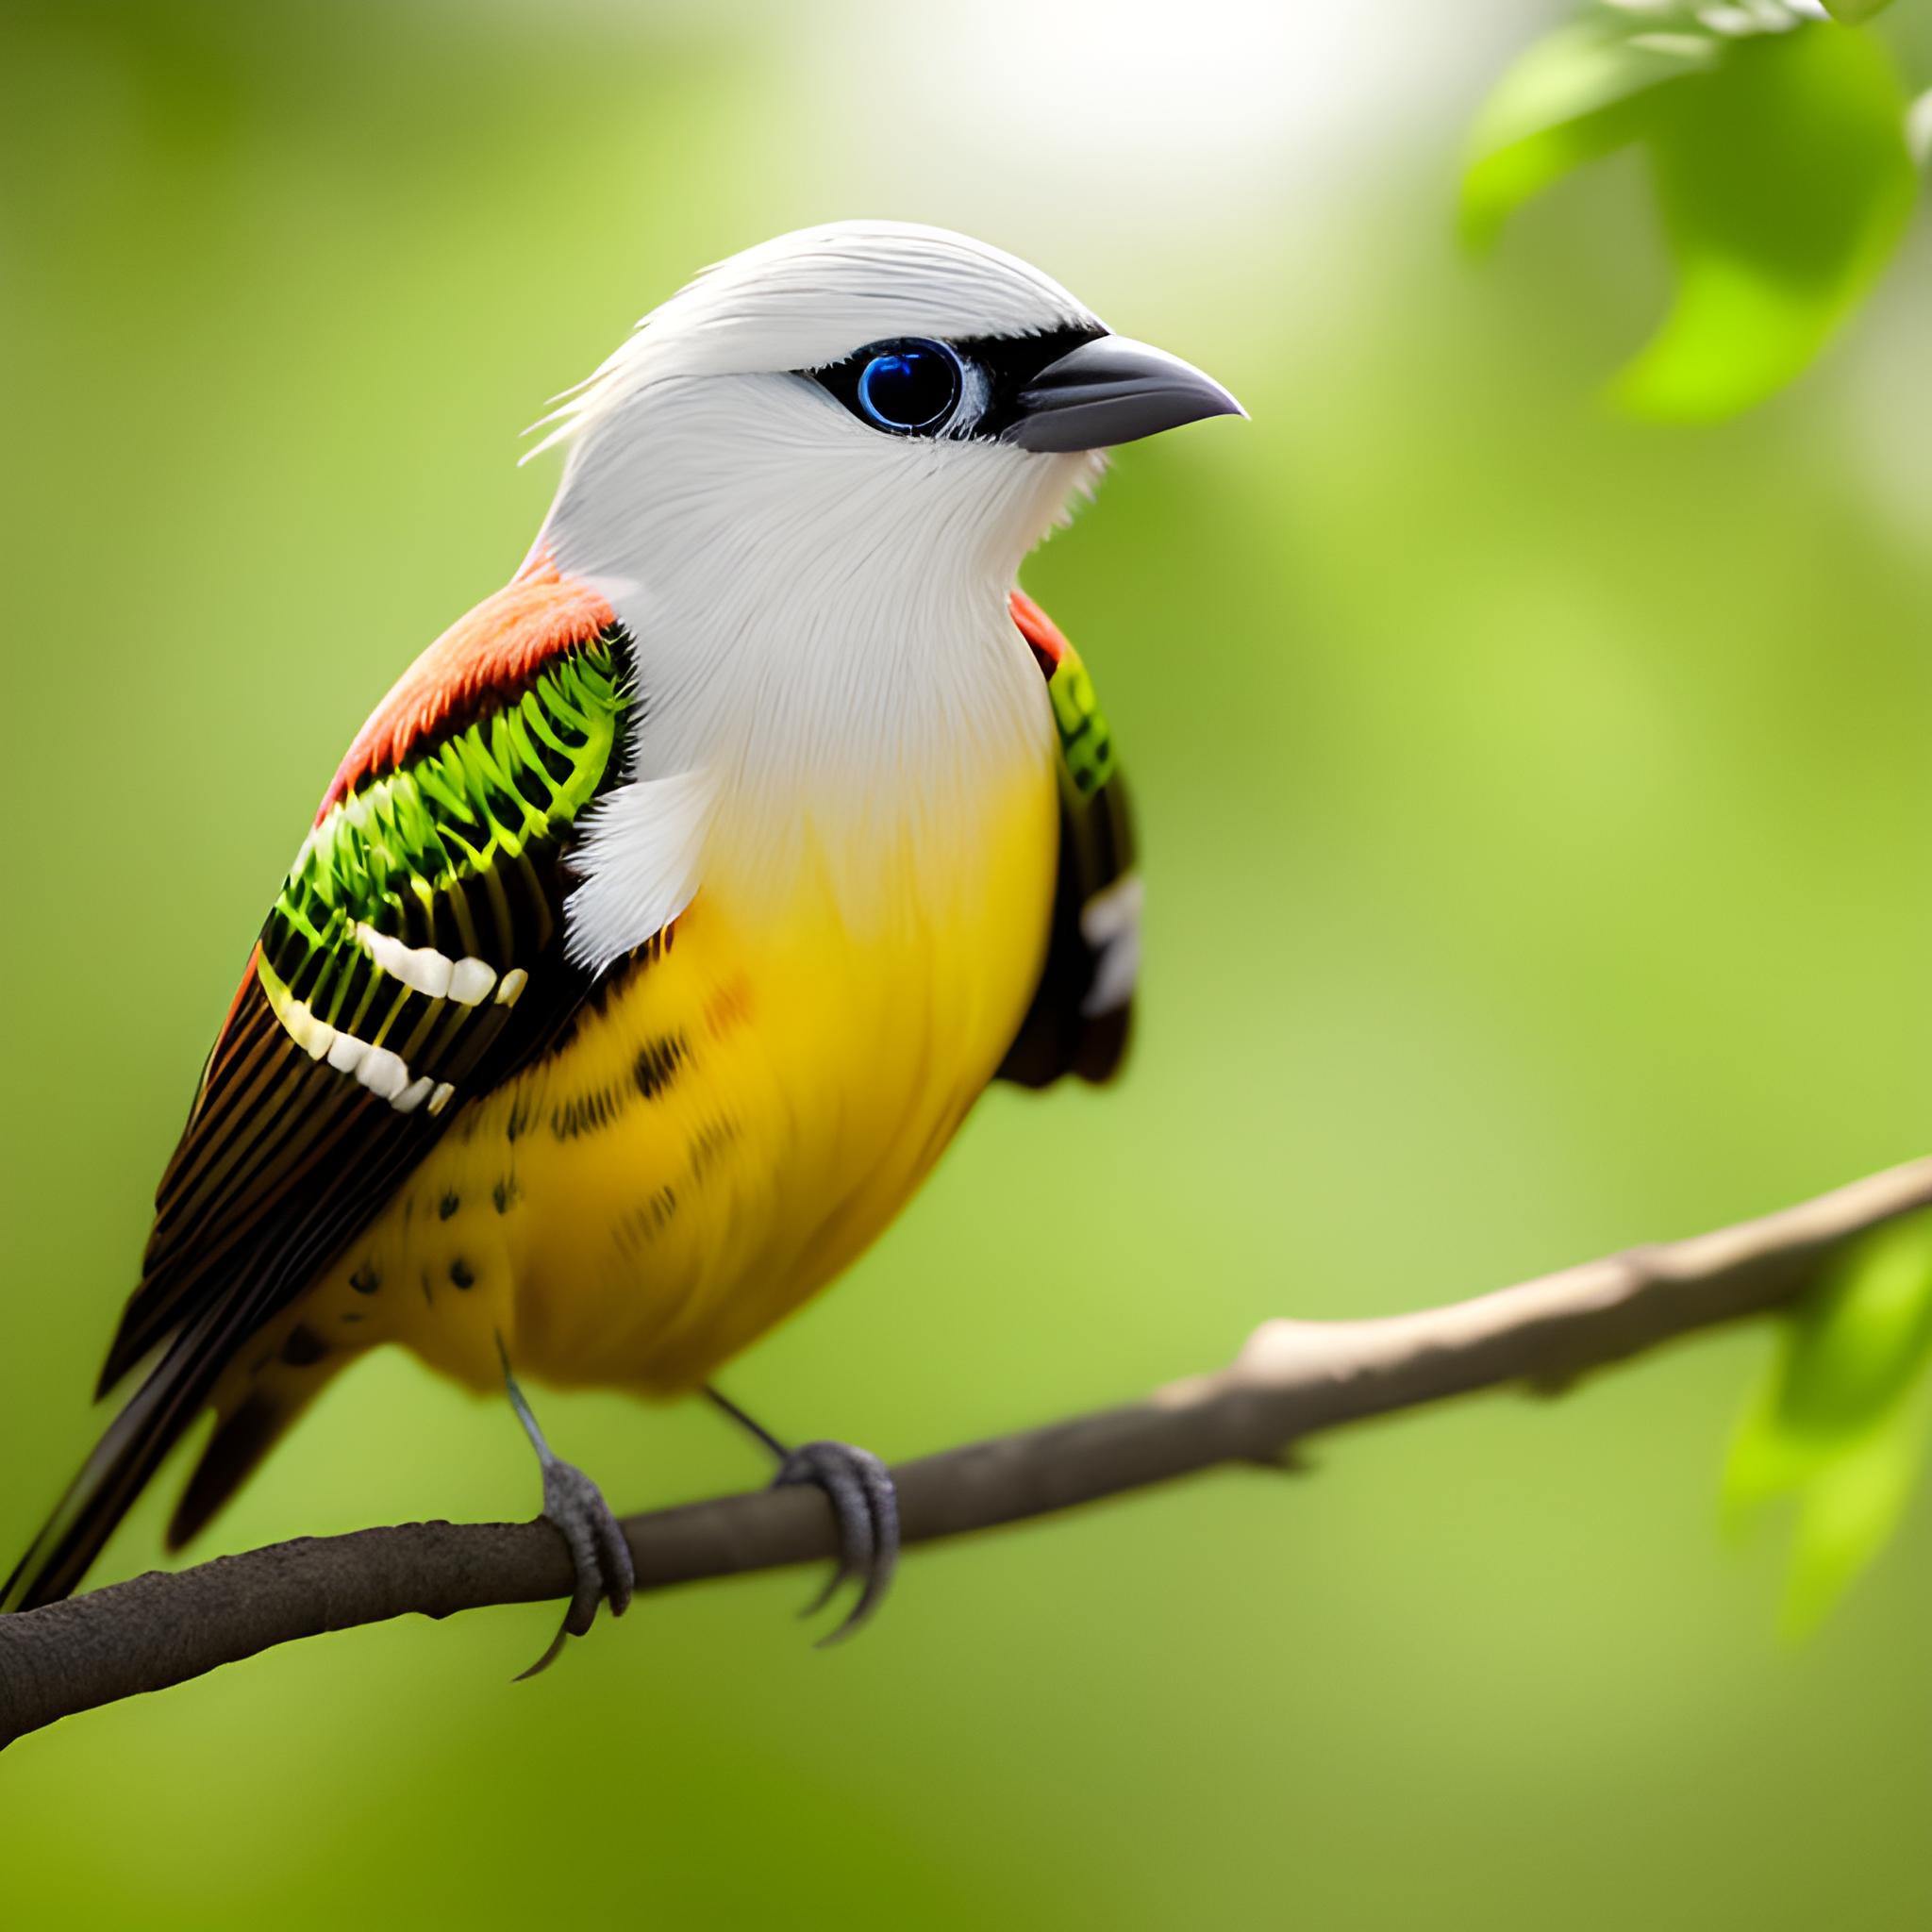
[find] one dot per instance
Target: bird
(663, 921)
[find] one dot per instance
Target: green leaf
(1785, 184)
(1855, 12)
(1842, 1421)
(1777, 151)
(1568, 99)
(1848, 1512)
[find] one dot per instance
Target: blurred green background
(1536, 807)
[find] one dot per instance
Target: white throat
(826, 666)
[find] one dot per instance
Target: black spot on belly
(658, 1063)
(304, 1347)
(365, 1280)
(586, 1113)
(640, 1224)
(708, 1145)
(519, 1119)
(463, 1273)
(506, 1193)
(448, 1205)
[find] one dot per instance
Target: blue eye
(910, 386)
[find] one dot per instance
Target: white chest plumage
(827, 671)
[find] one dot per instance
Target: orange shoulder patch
(1040, 630)
(494, 651)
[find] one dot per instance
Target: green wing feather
(291, 1147)
(459, 852)
(449, 852)
(1082, 1011)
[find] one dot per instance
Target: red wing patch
(1040, 630)
(492, 652)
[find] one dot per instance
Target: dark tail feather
(231, 1459)
(134, 1446)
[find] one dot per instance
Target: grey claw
(866, 1508)
(575, 1508)
(549, 1657)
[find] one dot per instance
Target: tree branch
(1290, 1379)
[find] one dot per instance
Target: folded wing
(413, 959)
(1082, 1011)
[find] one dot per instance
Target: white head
(738, 424)
(805, 483)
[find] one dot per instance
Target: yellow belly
(734, 1122)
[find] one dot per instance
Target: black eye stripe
(1015, 360)
(1007, 365)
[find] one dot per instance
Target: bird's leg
(574, 1507)
(864, 1505)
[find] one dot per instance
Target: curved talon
(574, 1507)
(553, 1650)
(866, 1508)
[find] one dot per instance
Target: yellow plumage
(739, 1116)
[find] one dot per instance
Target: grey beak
(1113, 390)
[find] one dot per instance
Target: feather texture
(415, 953)
(763, 685)
(486, 657)
(1082, 1011)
